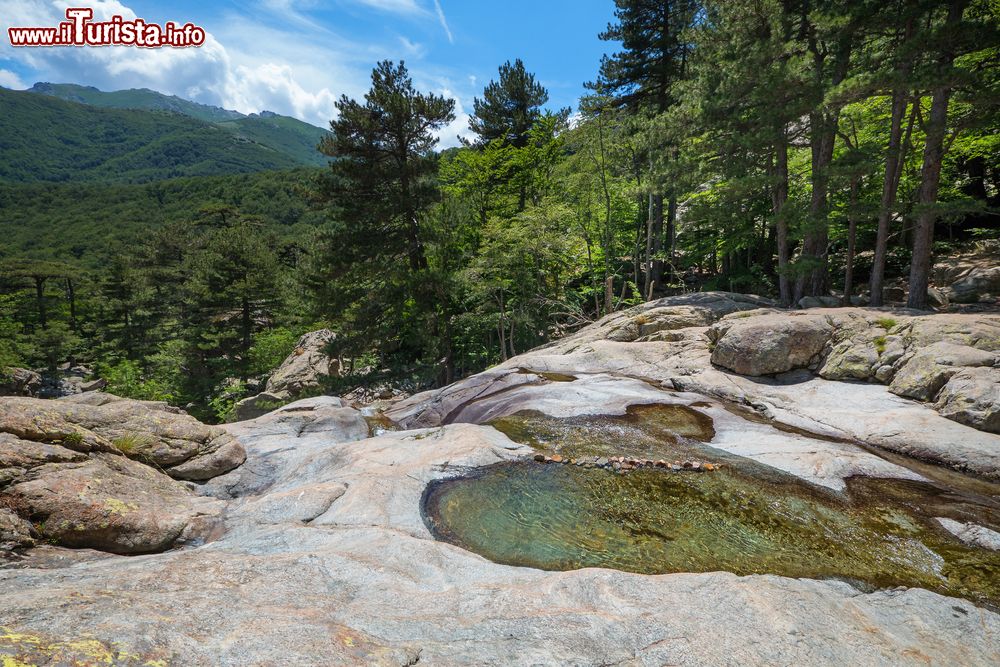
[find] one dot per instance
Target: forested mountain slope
(283, 134)
(47, 139)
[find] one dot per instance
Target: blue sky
(297, 57)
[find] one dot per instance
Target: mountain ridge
(261, 141)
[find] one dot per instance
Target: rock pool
(744, 518)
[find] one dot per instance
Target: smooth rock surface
(970, 533)
(363, 582)
(864, 412)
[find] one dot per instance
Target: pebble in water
(622, 464)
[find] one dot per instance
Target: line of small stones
(623, 464)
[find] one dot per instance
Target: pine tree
(382, 181)
(509, 107)
(654, 57)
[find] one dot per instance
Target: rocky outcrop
(770, 343)
(88, 471)
(69, 380)
(302, 371)
(321, 553)
(867, 345)
(106, 502)
(917, 355)
(19, 382)
(148, 432)
(970, 276)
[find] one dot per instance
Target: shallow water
(745, 518)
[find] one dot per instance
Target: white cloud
(11, 80)
(244, 64)
(394, 6)
(448, 136)
(443, 20)
(412, 49)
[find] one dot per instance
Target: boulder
(977, 284)
(178, 444)
(927, 370)
(936, 297)
(302, 371)
(258, 405)
(810, 302)
(97, 500)
(770, 343)
(305, 367)
(850, 360)
(15, 532)
(19, 382)
(972, 397)
(93, 385)
(108, 502)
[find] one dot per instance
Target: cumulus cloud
(11, 80)
(449, 135)
(300, 72)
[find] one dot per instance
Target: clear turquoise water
(744, 518)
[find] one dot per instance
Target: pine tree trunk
(43, 320)
(813, 282)
(247, 339)
(930, 175)
(852, 227)
(888, 197)
(648, 257)
(655, 245)
(890, 185)
(779, 196)
(930, 178)
(672, 236)
(609, 294)
(71, 296)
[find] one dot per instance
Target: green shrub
(269, 349)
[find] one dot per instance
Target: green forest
(787, 148)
